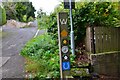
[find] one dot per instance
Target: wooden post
(61, 73)
(63, 44)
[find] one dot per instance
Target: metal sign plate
(66, 4)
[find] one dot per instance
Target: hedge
(2, 16)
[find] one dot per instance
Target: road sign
(65, 65)
(67, 5)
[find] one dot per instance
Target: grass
(31, 65)
(42, 58)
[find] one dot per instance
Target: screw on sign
(66, 66)
(65, 41)
(64, 33)
(65, 57)
(65, 49)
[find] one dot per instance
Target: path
(13, 40)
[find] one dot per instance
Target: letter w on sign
(63, 21)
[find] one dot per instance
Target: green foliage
(3, 16)
(18, 11)
(43, 20)
(87, 14)
(93, 14)
(25, 8)
(52, 29)
(43, 51)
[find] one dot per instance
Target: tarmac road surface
(13, 40)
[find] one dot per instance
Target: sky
(46, 5)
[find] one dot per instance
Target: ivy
(87, 14)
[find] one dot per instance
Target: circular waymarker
(65, 49)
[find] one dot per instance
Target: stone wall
(17, 24)
(107, 64)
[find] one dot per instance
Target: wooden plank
(114, 39)
(88, 40)
(104, 39)
(100, 39)
(117, 43)
(112, 43)
(107, 38)
(110, 37)
(118, 38)
(97, 39)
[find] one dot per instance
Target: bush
(43, 52)
(88, 14)
(3, 16)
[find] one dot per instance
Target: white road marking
(3, 60)
(36, 33)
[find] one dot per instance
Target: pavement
(13, 40)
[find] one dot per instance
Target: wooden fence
(106, 39)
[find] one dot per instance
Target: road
(13, 40)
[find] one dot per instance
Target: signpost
(63, 38)
(70, 4)
(63, 44)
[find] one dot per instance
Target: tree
(10, 10)
(95, 14)
(43, 19)
(87, 14)
(2, 16)
(18, 11)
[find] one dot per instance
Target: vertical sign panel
(67, 4)
(63, 42)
